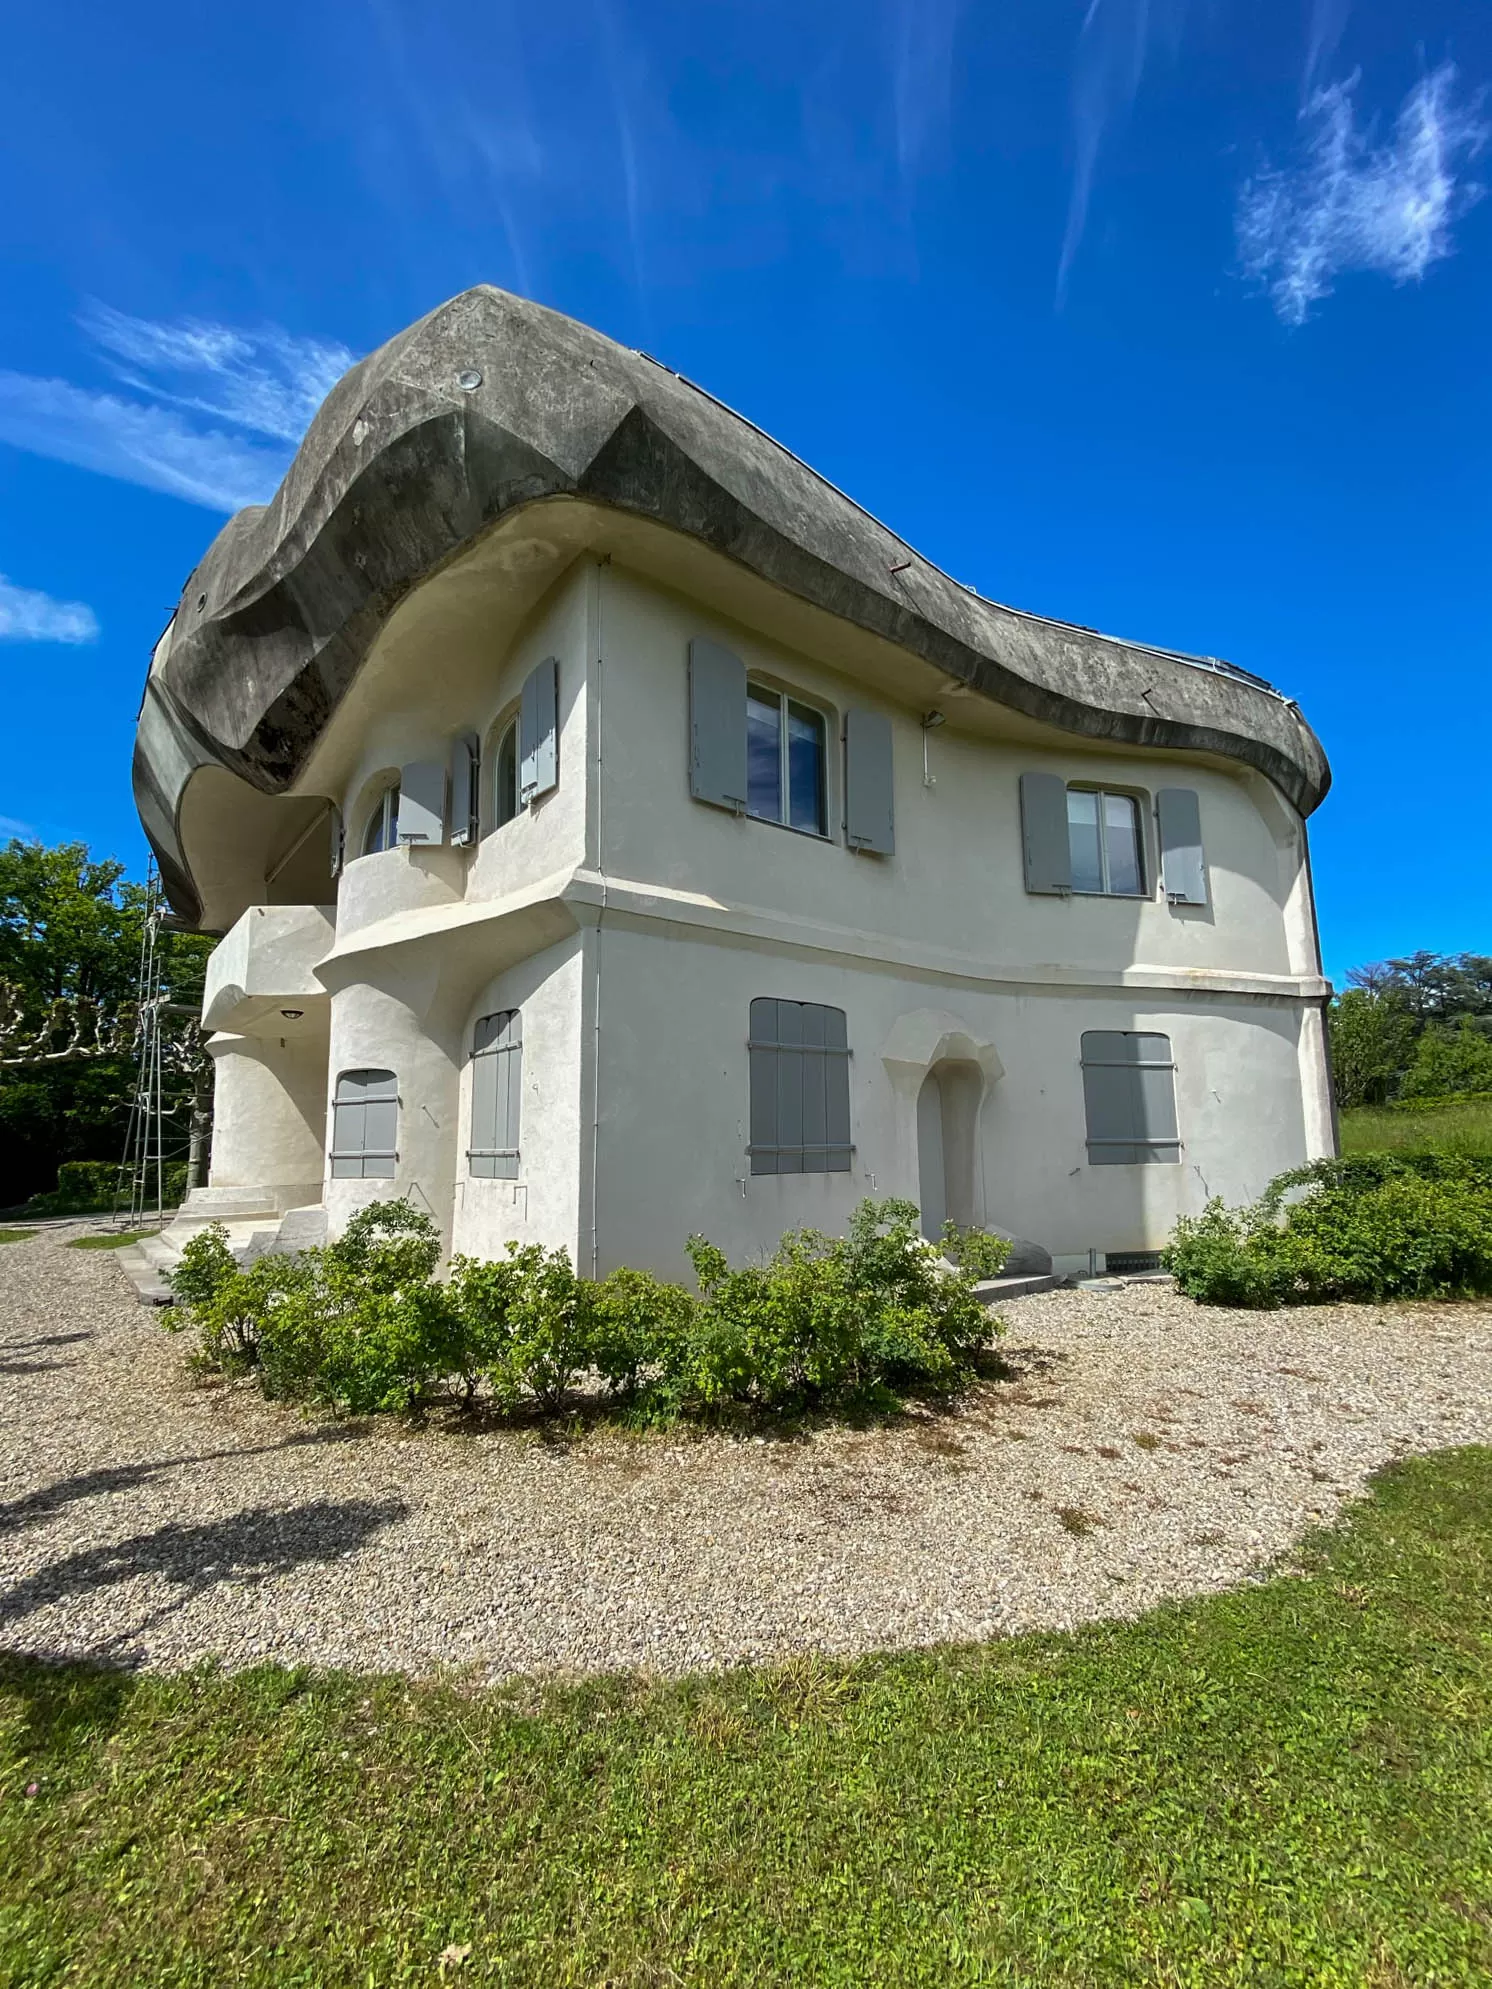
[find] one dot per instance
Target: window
(1129, 1092)
(784, 761)
(496, 1071)
(365, 1126)
(382, 831)
(505, 777)
(1103, 836)
(800, 1088)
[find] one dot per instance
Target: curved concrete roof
(413, 457)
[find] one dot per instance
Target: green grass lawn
(1289, 1784)
(17, 1235)
(1465, 1123)
(111, 1239)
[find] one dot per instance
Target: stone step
(149, 1286)
(995, 1291)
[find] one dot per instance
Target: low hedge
(364, 1324)
(84, 1187)
(1367, 1226)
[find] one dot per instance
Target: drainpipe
(596, 583)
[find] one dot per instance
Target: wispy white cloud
(1113, 47)
(26, 615)
(256, 389)
(267, 381)
(1350, 203)
(1328, 23)
(923, 35)
(9, 826)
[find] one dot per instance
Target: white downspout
(598, 651)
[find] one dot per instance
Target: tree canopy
(1420, 1027)
(70, 929)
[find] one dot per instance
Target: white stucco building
(616, 834)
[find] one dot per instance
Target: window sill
(770, 822)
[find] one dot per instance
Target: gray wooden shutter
(496, 1096)
(1129, 1096)
(717, 725)
(800, 1088)
(1183, 869)
(835, 1069)
(466, 756)
(365, 1125)
(868, 819)
(1048, 854)
(538, 733)
(338, 836)
(422, 802)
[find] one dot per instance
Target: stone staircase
(257, 1219)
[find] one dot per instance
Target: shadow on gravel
(250, 1547)
(39, 1505)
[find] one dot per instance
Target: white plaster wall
(674, 1091)
(543, 1204)
(397, 1022)
(267, 956)
(269, 1107)
(956, 878)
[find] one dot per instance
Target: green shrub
(1449, 1062)
(231, 1306)
(830, 1318)
(362, 1325)
(1362, 1227)
(637, 1330)
(87, 1187)
(521, 1323)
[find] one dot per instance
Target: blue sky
(1166, 316)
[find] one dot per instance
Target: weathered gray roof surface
(402, 468)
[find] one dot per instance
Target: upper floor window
(1091, 840)
(1103, 839)
(800, 1088)
(784, 761)
(382, 831)
(365, 1125)
(505, 777)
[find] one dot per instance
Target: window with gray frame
(382, 831)
(365, 1126)
(800, 1088)
(784, 761)
(1129, 1092)
(496, 1085)
(1104, 846)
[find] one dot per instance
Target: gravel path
(1145, 1448)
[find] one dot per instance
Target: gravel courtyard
(1143, 1448)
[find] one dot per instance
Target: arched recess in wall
(941, 1072)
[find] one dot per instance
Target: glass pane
(1121, 819)
(805, 768)
(376, 836)
(1082, 837)
(763, 757)
(506, 777)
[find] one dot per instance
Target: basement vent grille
(1124, 1263)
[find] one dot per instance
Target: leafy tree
(1449, 1061)
(71, 929)
(1372, 1041)
(1411, 1027)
